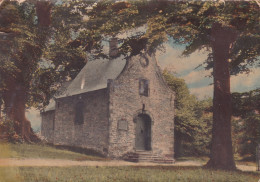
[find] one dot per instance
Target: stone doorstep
(148, 156)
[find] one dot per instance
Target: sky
(197, 80)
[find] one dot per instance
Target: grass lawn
(114, 174)
(204, 160)
(199, 159)
(41, 151)
(107, 174)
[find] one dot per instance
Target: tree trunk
(15, 101)
(221, 156)
(15, 95)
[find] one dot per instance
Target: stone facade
(93, 133)
(48, 125)
(132, 114)
(125, 102)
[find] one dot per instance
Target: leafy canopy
(188, 23)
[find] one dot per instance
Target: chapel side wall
(93, 133)
(126, 103)
(47, 125)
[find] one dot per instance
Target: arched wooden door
(143, 132)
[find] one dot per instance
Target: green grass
(107, 174)
(119, 174)
(41, 151)
(204, 160)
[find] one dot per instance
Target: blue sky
(197, 80)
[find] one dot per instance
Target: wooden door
(143, 133)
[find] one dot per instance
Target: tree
(246, 109)
(192, 120)
(20, 58)
(222, 27)
(27, 78)
(185, 120)
(203, 136)
(230, 30)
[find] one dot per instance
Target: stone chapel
(120, 108)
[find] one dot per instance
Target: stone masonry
(93, 133)
(126, 103)
(127, 111)
(48, 125)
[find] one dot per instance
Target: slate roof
(94, 76)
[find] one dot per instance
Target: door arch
(143, 132)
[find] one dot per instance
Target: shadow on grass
(256, 173)
(168, 167)
(183, 168)
(192, 158)
(78, 150)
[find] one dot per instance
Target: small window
(144, 87)
(79, 115)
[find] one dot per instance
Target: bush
(193, 120)
(7, 131)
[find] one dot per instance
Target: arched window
(79, 115)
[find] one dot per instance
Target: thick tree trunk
(15, 94)
(221, 156)
(15, 101)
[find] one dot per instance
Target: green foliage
(188, 23)
(195, 20)
(203, 137)
(38, 57)
(247, 125)
(22, 50)
(193, 120)
(62, 59)
(7, 132)
(246, 103)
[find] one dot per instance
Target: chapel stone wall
(125, 103)
(93, 132)
(48, 125)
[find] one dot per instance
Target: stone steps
(147, 156)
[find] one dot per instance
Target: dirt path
(66, 163)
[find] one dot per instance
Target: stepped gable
(94, 76)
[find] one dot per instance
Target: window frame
(144, 89)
